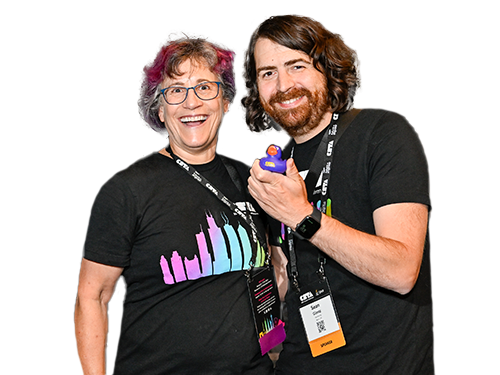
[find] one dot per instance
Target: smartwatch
(309, 225)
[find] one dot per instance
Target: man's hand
(284, 197)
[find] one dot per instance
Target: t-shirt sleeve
(398, 171)
(112, 224)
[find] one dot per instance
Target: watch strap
(305, 223)
(316, 214)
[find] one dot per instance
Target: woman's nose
(192, 100)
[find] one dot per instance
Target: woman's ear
(161, 114)
(226, 106)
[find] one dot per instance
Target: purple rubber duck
(273, 160)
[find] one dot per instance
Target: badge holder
(265, 303)
(320, 318)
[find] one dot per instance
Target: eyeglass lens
(204, 91)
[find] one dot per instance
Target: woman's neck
(194, 158)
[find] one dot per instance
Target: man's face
(292, 91)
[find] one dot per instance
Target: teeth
(194, 118)
(291, 100)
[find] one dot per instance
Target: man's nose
(285, 82)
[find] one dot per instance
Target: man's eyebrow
(288, 63)
(262, 68)
(295, 61)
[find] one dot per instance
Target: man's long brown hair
(329, 53)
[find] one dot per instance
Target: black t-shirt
(187, 309)
(378, 161)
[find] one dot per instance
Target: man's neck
(325, 121)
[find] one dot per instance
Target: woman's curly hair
(328, 51)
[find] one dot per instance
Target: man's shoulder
(376, 114)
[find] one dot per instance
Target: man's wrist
(309, 225)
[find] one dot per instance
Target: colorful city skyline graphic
(215, 254)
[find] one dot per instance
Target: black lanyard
(190, 170)
(321, 165)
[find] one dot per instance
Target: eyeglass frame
(162, 91)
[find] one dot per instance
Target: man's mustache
(293, 93)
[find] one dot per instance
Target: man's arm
(96, 286)
(390, 259)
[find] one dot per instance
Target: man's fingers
(291, 169)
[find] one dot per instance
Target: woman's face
(193, 125)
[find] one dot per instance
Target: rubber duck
(273, 161)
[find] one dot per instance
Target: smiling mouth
(287, 102)
(193, 120)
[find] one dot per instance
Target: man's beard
(302, 119)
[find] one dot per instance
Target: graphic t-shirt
(378, 161)
(184, 253)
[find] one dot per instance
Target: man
(357, 226)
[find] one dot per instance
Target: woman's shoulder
(143, 171)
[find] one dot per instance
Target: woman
(182, 251)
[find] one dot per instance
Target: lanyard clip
(321, 270)
(268, 256)
(295, 282)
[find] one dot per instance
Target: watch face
(308, 227)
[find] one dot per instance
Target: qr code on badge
(321, 326)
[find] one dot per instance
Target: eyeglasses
(175, 95)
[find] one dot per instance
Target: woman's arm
(279, 261)
(96, 286)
